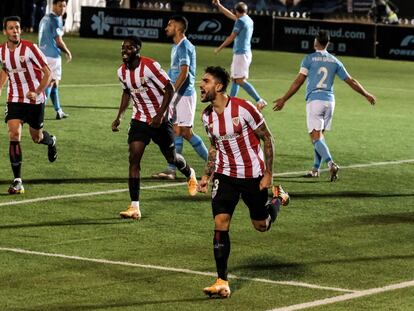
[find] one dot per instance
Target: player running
(26, 69)
(237, 166)
(148, 86)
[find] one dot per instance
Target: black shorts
(28, 113)
(226, 192)
(162, 136)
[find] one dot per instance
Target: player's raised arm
(223, 10)
(357, 87)
(295, 86)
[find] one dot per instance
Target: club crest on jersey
(236, 121)
(143, 80)
(21, 58)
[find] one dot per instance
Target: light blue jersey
(320, 68)
(244, 29)
(183, 53)
(50, 27)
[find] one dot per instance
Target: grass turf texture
(354, 234)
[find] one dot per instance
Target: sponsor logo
(99, 25)
(407, 41)
(126, 26)
(210, 26)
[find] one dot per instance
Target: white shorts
(184, 109)
(240, 66)
(55, 65)
(319, 114)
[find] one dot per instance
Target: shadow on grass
(347, 194)
(88, 180)
(70, 222)
(112, 305)
(380, 219)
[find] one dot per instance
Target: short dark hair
(180, 19)
(57, 1)
(135, 40)
(323, 37)
(220, 74)
(241, 7)
(10, 19)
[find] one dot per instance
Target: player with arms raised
(320, 68)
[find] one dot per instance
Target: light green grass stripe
(171, 269)
(354, 295)
(251, 80)
(79, 195)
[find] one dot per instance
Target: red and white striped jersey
(23, 67)
(238, 148)
(146, 85)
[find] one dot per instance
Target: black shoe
(16, 187)
(273, 207)
(51, 150)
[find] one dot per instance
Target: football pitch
(347, 245)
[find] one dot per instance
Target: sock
(47, 92)
(135, 204)
(273, 207)
(54, 96)
(249, 88)
(133, 185)
(179, 144)
(322, 148)
(182, 165)
(221, 244)
(47, 139)
(317, 159)
(199, 146)
(15, 153)
(234, 89)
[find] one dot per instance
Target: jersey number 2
(321, 84)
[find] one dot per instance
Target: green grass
(354, 234)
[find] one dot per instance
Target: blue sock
(199, 146)
(54, 96)
(47, 92)
(322, 148)
(249, 88)
(317, 160)
(178, 149)
(234, 89)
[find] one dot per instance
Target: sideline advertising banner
(395, 42)
(204, 28)
(297, 35)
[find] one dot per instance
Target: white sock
(135, 204)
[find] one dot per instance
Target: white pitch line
(170, 269)
(350, 296)
(86, 194)
(79, 195)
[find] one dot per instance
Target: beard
(208, 97)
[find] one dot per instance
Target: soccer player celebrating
(320, 68)
(182, 75)
(147, 84)
(51, 44)
(242, 54)
(237, 166)
(26, 69)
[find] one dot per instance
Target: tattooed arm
(209, 168)
(264, 134)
